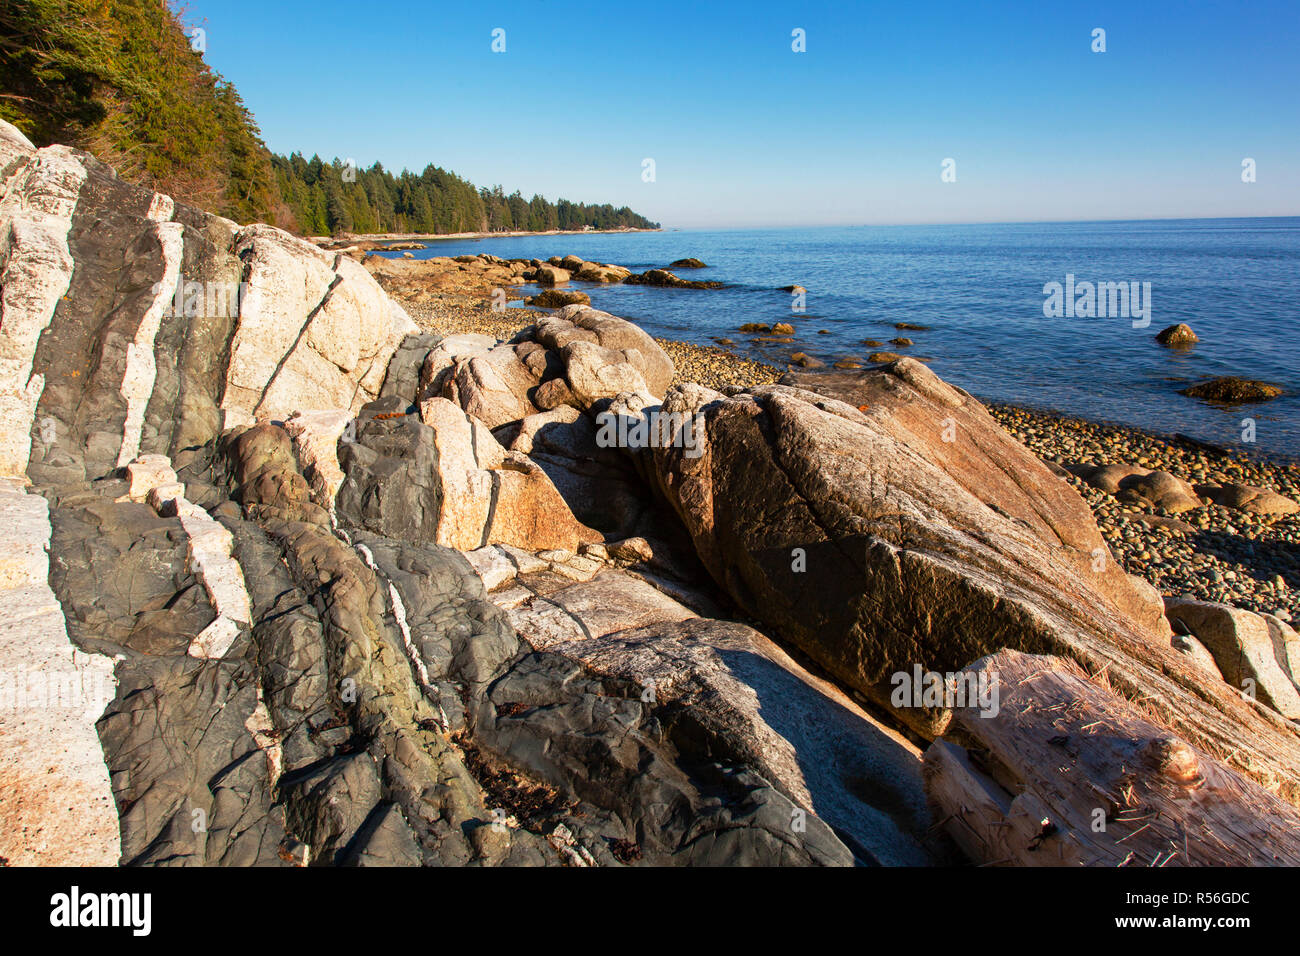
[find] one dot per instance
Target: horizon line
(970, 222)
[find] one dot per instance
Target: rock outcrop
(258, 477)
(882, 520)
(353, 594)
(726, 681)
(1140, 486)
(133, 325)
(1257, 654)
(55, 800)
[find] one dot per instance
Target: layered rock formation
(375, 596)
(882, 520)
(258, 476)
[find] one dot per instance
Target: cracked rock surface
(356, 595)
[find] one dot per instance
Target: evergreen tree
(121, 79)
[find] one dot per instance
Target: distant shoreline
(381, 239)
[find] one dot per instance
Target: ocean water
(980, 289)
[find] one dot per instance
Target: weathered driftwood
(1068, 774)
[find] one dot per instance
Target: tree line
(331, 198)
(125, 80)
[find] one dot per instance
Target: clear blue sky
(745, 132)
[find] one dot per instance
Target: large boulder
(812, 742)
(600, 484)
(440, 361)
(596, 373)
(580, 324)
(556, 298)
(904, 527)
(1135, 485)
(549, 275)
(1249, 498)
(1256, 653)
(315, 331)
(441, 477)
(493, 387)
(600, 272)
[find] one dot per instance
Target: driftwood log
(1068, 774)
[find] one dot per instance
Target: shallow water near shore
(979, 289)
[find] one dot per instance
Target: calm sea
(979, 288)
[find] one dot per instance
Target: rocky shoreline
(1210, 552)
(1214, 554)
(325, 585)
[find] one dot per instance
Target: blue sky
(746, 132)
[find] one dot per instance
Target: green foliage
(118, 78)
(329, 198)
(50, 68)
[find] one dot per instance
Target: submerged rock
(806, 361)
(1180, 334)
(1232, 390)
(662, 277)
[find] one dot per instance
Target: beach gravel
(1211, 553)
